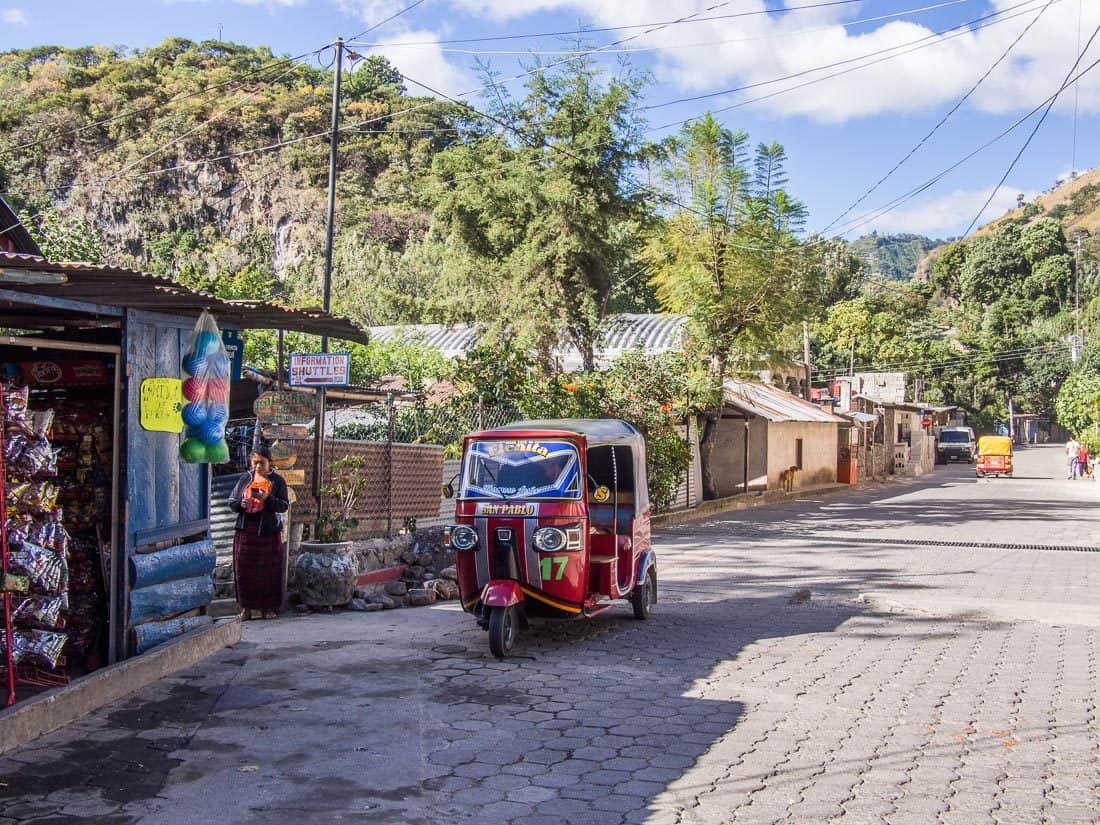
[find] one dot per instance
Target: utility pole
(852, 359)
(806, 355)
(326, 295)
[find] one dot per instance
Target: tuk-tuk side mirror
(601, 494)
(449, 487)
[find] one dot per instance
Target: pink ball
(194, 389)
(217, 390)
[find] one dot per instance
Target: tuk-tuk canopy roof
(598, 432)
(994, 445)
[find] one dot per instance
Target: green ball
(193, 451)
(217, 453)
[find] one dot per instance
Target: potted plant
(326, 569)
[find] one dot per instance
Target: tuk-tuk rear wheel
(645, 596)
(502, 630)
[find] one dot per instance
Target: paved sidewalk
(877, 700)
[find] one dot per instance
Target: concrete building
(769, 439)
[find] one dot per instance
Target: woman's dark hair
(263, 451)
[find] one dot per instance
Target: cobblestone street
(918, 681)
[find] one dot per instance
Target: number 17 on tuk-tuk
(552, 520)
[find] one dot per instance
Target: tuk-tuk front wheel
(645, 596)
(502, 630)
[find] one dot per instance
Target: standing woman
(259, 553)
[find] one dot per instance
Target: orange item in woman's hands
(256, 493)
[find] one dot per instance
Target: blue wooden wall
(167, 500)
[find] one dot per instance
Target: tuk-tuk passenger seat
(602, 517)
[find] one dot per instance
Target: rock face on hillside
(892, 257)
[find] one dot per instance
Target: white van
(955, 444)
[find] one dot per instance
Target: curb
(49, 711)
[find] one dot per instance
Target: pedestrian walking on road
(259, 552)
(1082, 460)
(1072, 446)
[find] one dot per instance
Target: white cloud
(948, 214)
(425, 62)
(775, 45)
(14, 17)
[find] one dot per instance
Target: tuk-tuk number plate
(496, 509)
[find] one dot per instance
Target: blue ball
(192, 363)
(207, 343)
(195, 414)
(212, 432)
(217, 412)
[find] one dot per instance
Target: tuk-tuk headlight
(463, 537)
(550, 539)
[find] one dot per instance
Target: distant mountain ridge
(893, 257)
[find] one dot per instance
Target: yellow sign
(161, 405)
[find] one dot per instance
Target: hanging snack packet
(15, 402)
(40, 611)
(40, 647)
(44, 568)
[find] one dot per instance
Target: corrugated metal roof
(623, 332)
(452, 341)
(772, 403)
(119, 287)
(13, 228)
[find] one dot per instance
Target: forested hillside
(157, 159)
(893, 257)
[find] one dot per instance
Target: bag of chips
(46, 570)
(40, 611)
(39, 647)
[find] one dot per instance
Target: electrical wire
(964, 27)
(974, 359)
(678, 46)
(942, 121)
(601, 29)
(1034, 131)
(878, 212)
(381, 23)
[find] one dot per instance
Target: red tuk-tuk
(552, 520)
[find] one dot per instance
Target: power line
(381, 23)
(941, 122)
(678, 46)
(1034, 131)
(600, 29)
(964, 26)
(878, 212)
(974, 359)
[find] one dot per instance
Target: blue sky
(841, 134)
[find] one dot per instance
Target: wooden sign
(283, 407)
(282, 432)
(284, 454)
(295, 478)
(161, 405)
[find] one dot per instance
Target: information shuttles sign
(320, 369)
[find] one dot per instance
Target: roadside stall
(106, 521)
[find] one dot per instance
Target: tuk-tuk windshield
(499, 469)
